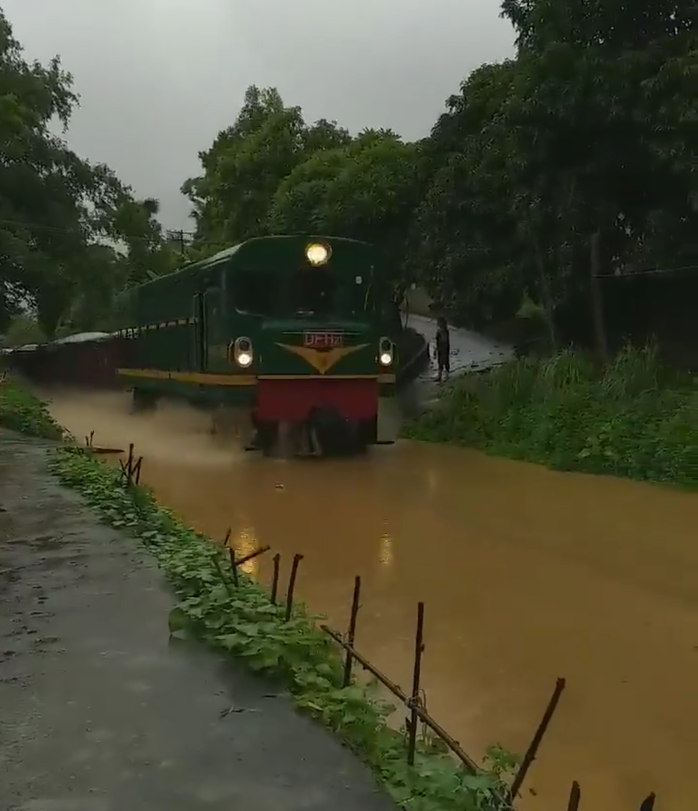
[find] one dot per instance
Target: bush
(242, 621)
(21, 411)
(634, 418)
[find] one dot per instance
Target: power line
(179, 235)
(38, 226)
(648, 272)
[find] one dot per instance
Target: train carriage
(300, 330)
(84, 360)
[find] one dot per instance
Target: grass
(242, 621)
(21, 411)
(633, 418)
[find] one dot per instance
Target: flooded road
(527, 575)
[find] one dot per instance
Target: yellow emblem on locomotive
(322, 360)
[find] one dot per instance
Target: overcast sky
(159, 78)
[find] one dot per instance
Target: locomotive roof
(228, 253)
(193, 268)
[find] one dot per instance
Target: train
(302, 332)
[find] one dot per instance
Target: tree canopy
(590, 128)
(57, 210)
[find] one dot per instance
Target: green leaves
(21, 411)
(271, 173)
(366, 189)
(55, 205)
(627, 420)
(177, 621)
(587, 129)
(244, 166)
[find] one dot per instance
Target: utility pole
(597, 313)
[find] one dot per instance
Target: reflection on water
(386, 550)
(244, 542)
(526, 574)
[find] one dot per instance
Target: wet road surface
(100, 713)
(470, 352)
(527, 575)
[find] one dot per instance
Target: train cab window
(395, 315)
(358, 294)
(313, 291)
(254, 292)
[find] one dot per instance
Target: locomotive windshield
(305, 293)
(255, 293)
(312, 292)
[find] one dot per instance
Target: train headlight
(317, 254)
(243, 353)
(386, 352)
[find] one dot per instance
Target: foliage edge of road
(21, 411)
(633, 419)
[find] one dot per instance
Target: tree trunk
(548, 304)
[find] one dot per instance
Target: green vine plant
(21, 411)
(242, 620)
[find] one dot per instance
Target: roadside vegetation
(241, 620)
(21, 411)
(633, 418)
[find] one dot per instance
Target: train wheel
(367, 433)
(143, 400)
(265, 437)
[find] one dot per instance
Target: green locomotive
(301, 330)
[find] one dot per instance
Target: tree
(366, 190)
(587, 130)
(243, 167)
(324, 135)
(247, 162)
(605, 103)
(99, 272)
(49, 197)
(57, 210)
(466, 243)
(134, 222)
(21, 330)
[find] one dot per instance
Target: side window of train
(222, 293)
(213, 302)
(195, 344)
(254, 292)
(396, 316)
(211, 310)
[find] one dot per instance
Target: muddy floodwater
(526, 574)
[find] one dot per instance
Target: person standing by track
(442, 349)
